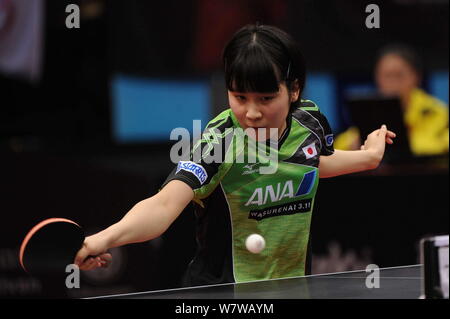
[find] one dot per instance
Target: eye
(267, 98)
(240, 97)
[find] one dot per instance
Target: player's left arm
(369, 157)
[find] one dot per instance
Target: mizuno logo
(251, 168)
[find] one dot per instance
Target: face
(394, 76)
(262, 110)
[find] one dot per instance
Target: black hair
(403, 51)
(259, 58)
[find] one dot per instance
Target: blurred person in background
(398, 73)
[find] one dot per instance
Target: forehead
(281, 88)
(393, 62)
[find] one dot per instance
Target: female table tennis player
(265, 76)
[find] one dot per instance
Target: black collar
(286, 131)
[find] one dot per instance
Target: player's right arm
(147, 220)
(151, 217)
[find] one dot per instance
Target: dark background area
(58, 156)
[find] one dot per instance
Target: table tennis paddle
(50, 246)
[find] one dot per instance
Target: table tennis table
(394, 283)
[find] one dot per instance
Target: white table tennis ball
(255, 243)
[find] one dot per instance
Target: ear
(295, 92)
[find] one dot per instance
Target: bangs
(252, 71)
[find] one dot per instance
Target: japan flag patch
(310, 150)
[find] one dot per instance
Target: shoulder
(224, 119)
(307, 109)
(308, 105)
(421, 99)
(308, 115)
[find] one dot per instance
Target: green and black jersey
(234, 199)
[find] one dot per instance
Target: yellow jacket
(427, 121)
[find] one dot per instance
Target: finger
(362, 147)
(99, 262)
(382, 131)
(389, 140)
(86, 264)
(83, 265)
(81, 256)
(92, 264)
(391, 134)
(106, 257)
(105, 263)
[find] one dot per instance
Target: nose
(253, 113)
